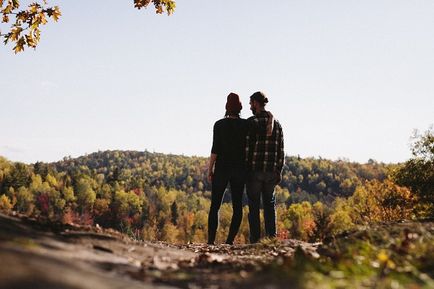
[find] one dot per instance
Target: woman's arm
(212, 160)
(270, 124)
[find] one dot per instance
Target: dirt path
(37, 256)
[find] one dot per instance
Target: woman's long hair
(231, 113)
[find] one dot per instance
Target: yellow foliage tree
(301, 221)
(382, 201)
(5, 204)
(169, 233)
(341, 218)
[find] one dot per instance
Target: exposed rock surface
(34, 255)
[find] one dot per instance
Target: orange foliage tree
(25, 22)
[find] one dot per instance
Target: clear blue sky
(347, 79)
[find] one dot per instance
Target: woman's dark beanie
(233, 104)
(259, 97)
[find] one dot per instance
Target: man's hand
(278, 178)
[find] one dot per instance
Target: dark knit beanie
(233, 104)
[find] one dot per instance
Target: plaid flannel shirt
(264, 153)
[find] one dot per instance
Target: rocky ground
(34, 255)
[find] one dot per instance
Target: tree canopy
(418, 172)
(23, 23)
(156, 196)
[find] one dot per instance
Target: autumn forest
(155, 196)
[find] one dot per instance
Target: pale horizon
(346, 79)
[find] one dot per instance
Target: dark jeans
(261, 184)
(236, 177)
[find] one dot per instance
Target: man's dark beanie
(259, 97)
(233, 104)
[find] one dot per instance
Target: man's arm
(281, 156)
(270, 124)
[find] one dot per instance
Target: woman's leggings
(235, 177)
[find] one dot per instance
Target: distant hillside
(138, 169)
(155, 196)
(308, 179)
(321, 179)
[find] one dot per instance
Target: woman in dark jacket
(227, 166)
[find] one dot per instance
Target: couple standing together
(246, 153)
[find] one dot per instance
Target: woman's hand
(210, 176)
(270, 124)
(212, 160)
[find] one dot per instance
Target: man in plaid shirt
(265, 156)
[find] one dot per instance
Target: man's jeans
(261, 184)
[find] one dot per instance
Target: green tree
(18, 176)
(86, 196)
(25, 200)
(48, 200)
(5, 168)
(321, 215)
(282, 195)
(68, 194)
(174, 213)
(341, 219)
(127, 205)
(418, 172)
(301, 221)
